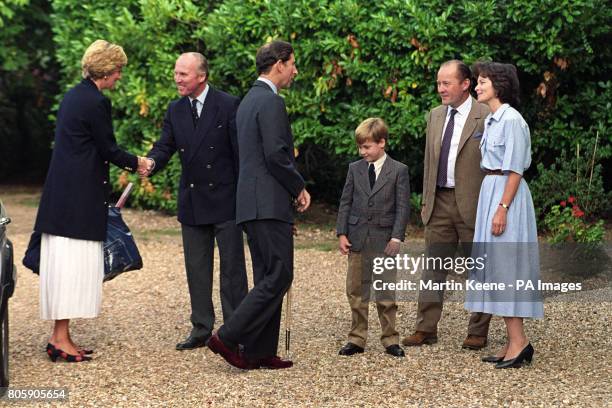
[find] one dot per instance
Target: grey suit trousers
(199, 244)
(256, 323)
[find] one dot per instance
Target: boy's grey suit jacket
(382, 211)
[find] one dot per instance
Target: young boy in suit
(372, 218)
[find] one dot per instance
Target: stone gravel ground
(146, 312)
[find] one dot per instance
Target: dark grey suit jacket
(268, 180)
(383, 211)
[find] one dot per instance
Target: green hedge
(28, 76)
(356, 59)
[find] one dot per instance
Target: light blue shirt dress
(511, 260)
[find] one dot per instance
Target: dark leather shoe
(473, 342)
(272, 363)
(418, 338)
(349, 349)
(232, 357)
(525, 356)
(491, 359)
(192, 342)
(395, 350)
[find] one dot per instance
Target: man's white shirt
(460, 118)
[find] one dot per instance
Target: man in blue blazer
(268, 187)
(201, 126)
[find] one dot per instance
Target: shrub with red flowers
(566, 223)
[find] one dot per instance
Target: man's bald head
(461, 69)
(201, 64)
(191, 74)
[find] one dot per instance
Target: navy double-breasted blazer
(209, 157)
(75, 197)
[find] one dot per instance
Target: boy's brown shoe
(418, 338)
(474, 342)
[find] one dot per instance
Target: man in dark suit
(268, 187)
(201, 127)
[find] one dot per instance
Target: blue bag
(120, 251)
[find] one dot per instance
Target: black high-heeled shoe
(526, 355)
(491, 359)
(54, 352)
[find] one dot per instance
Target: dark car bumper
(9, 274)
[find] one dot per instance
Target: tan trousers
(442, 236)
(387, 309)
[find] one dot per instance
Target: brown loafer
(473, 342)
(418, 338)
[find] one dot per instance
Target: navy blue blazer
(268, 180)
(75, 197)
(208, 155)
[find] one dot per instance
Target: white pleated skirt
(71, 274)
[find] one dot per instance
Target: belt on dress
(493, 172)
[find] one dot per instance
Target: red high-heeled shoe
(54, 352)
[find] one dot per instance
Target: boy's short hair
(371, 129)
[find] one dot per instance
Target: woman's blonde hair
(101, 59)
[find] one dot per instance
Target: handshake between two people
(145, 166)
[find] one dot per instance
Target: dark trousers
(256, 322)
(443, 233)
(199, 246)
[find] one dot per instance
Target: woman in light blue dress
(505, 222)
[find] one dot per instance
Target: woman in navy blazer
(72, 215)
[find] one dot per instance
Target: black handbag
(120, 251)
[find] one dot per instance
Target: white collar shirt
(200, 98)
(463, 111)
(378, 164)
(269, 83)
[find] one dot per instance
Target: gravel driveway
(146, 312)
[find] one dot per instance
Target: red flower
(563, 204)
(571, 199)
(577, 212)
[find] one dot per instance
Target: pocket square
(219, 126)
(477, 135)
